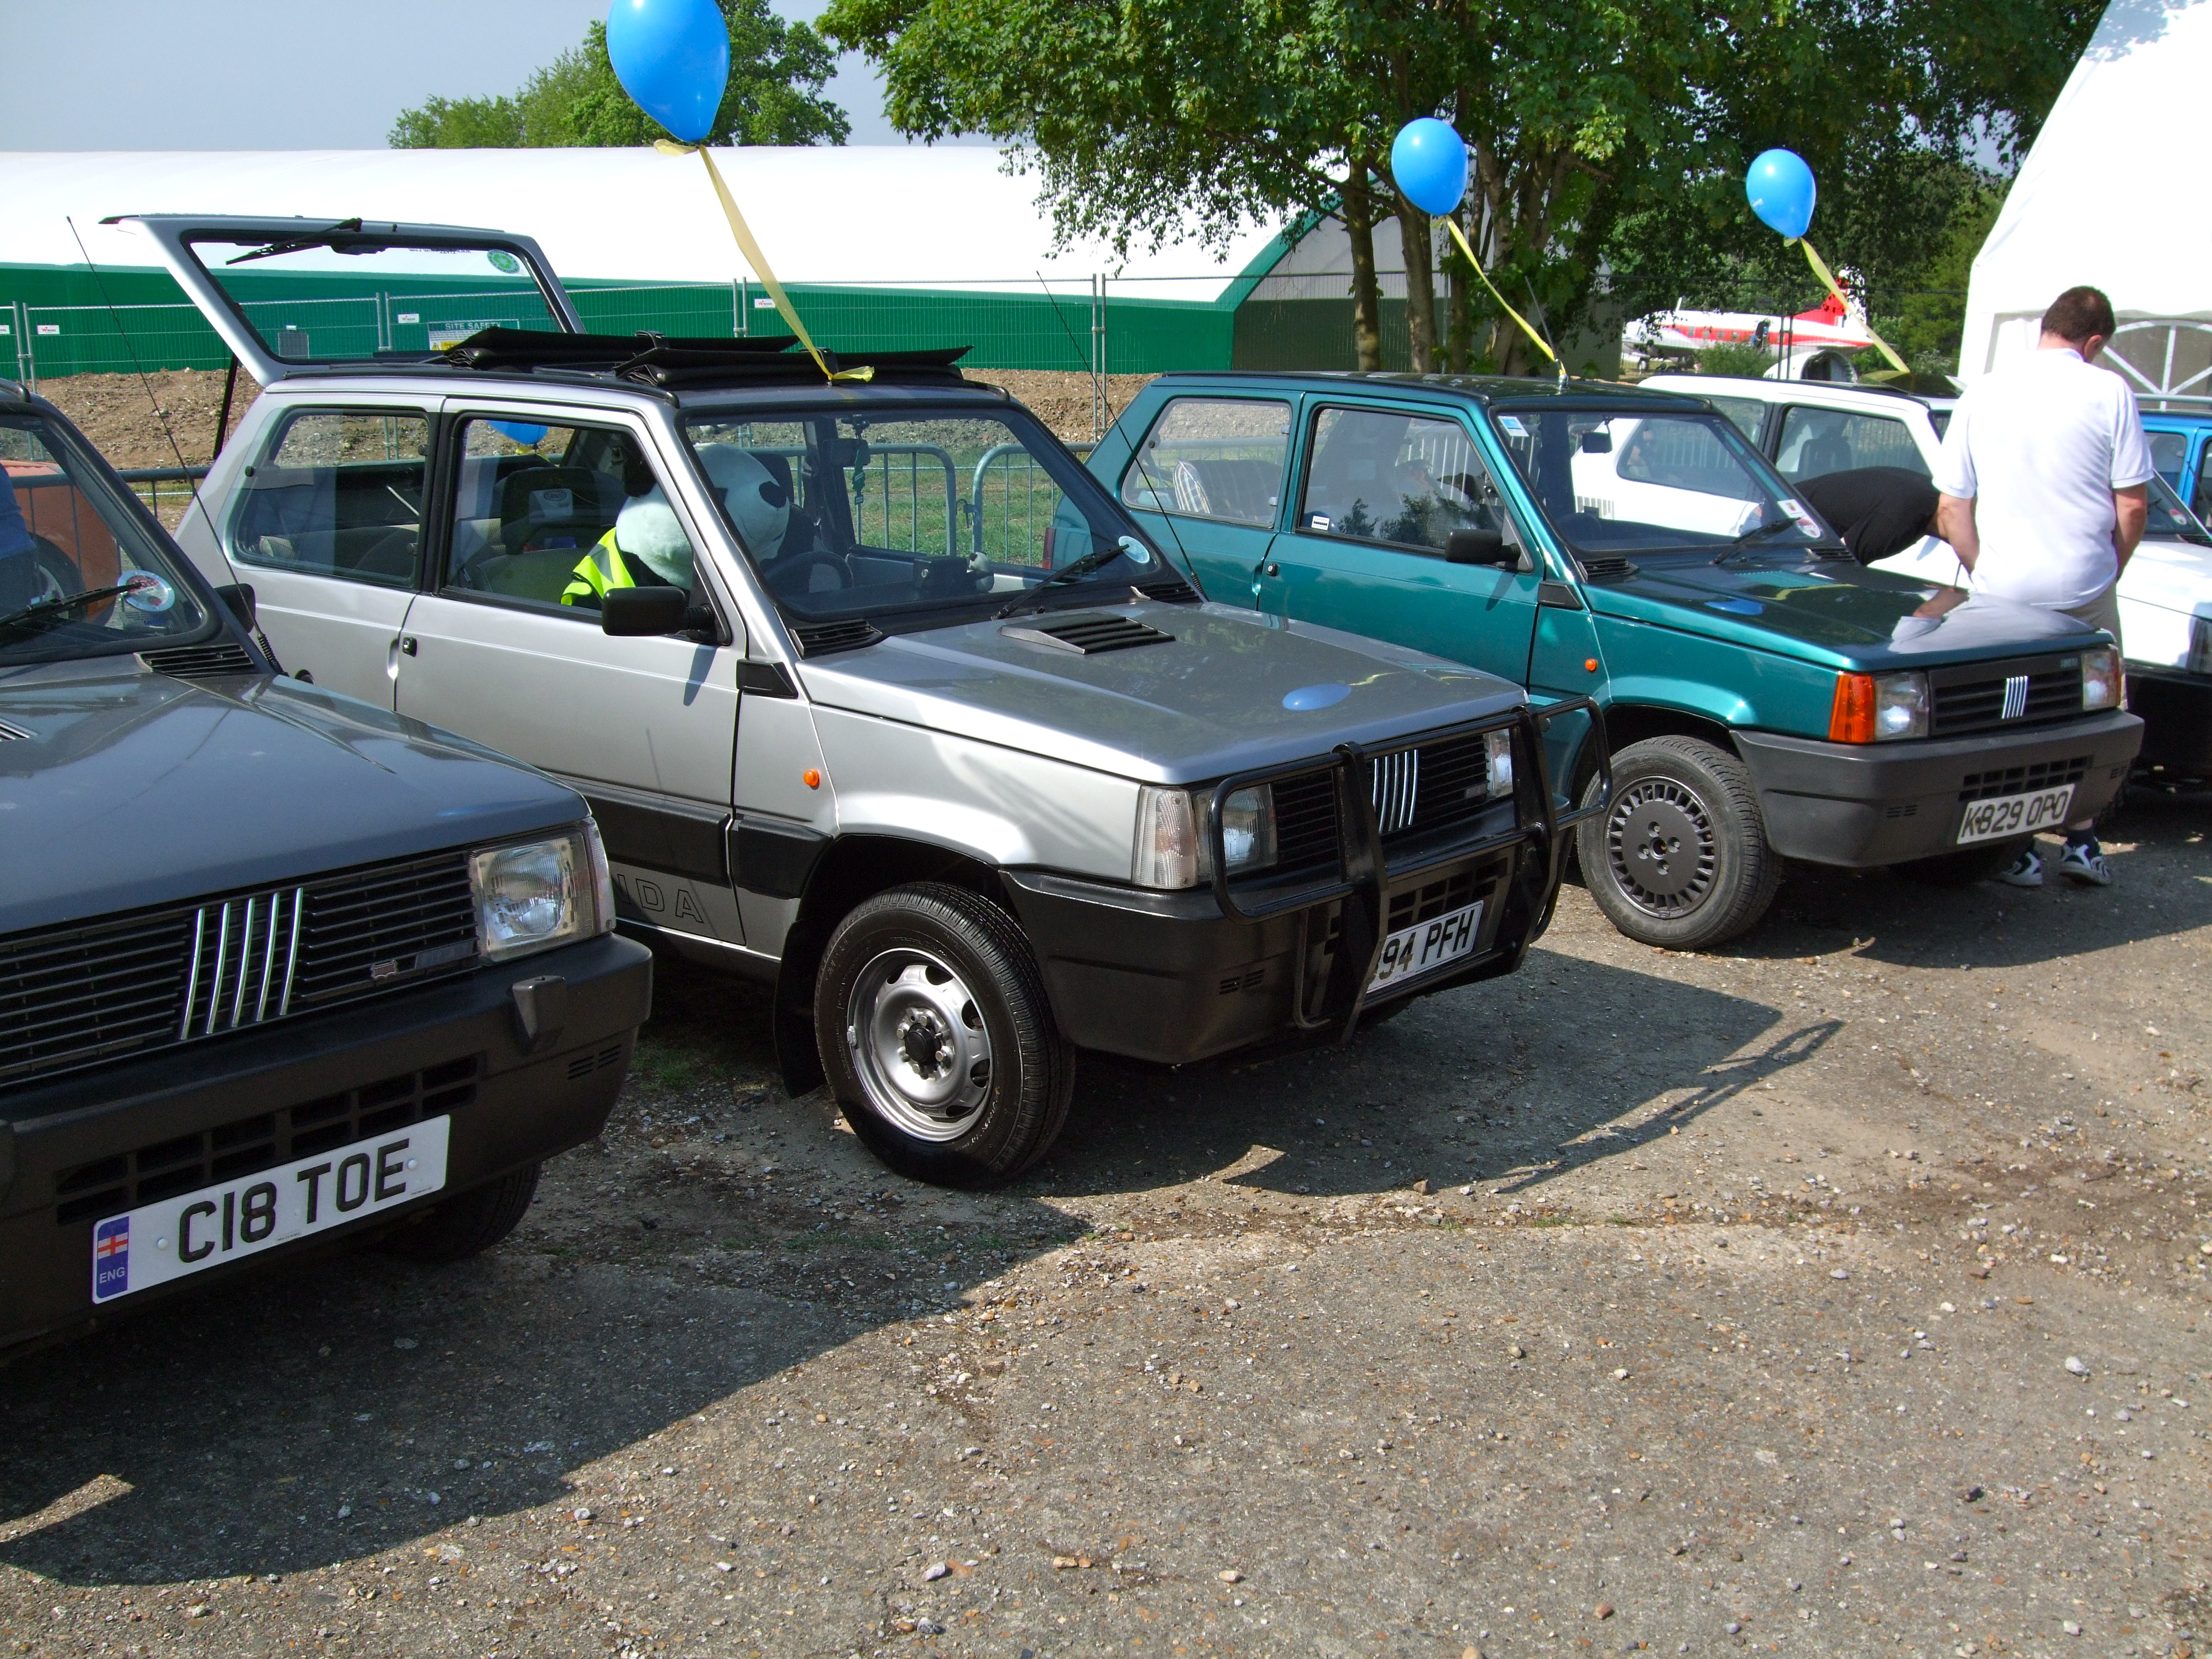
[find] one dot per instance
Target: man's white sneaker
(2025, 870)
(2084, 863)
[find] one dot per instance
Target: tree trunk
(1458, 301)
(1366, 293)
(1413, 236)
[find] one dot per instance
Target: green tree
(1602, 137)
(777, 71)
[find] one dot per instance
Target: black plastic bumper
(1862, 804)
(459, 1046)
(2176, 709)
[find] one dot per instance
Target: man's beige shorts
(2102, 611)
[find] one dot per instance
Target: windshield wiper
(68, 602)
(1757, 534)
(1095, 559)
(300, 244)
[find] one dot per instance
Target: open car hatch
(288, 295)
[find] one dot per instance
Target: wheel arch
(1627, 723)
(851, 869)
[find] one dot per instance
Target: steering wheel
(794, 576)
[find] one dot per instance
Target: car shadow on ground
(279, 1422)
(2156, 851)
(1481, 1084)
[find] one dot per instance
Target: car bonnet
(121, 789)
(1224, 690)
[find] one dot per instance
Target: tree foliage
(777, 71)
(1606, 138)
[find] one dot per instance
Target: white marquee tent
(2107, 196)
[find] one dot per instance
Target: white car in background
(1810, 428)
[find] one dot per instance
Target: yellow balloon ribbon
(1821, 270)
(1538, 340)
(753, 255)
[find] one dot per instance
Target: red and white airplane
(1829, 323)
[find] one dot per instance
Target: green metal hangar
(881, 247)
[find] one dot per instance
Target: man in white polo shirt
(2044, 480)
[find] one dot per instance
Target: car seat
(1241, 491)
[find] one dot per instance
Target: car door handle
(1272, 571)
(407, 644)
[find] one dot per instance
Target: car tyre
(1965, 867)
(468, 1224)
(934, 1031)
(1680, 858)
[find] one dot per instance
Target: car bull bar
(1365, 873)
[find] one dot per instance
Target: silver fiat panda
(875, 694)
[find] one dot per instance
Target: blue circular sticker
(501, 260)
(1316, 696)
(147, 593)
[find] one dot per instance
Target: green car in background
(1768, 698)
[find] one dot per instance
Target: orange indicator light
(811, 778)
(1589, 665)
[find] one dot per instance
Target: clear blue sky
(288, 74)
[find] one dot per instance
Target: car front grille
(1427, 786)
(74, 996)
(1982, 696)
(123, 1181)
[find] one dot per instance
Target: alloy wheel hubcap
(1663, 848)
(919, 1045)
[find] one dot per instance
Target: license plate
(1413, 950)
(2016, 815)
(157, 1243)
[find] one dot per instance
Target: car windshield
(1643, 484)
(848, 516)
(81, 576)
(2169, 520)
(343, 298)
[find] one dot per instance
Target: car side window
(1212, 457)
(1818, 441)
(1402, 480)
(1746, 413)
(337, 493)
(2169, 453)
(551, 516)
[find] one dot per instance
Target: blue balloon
(673, 58)
(1781, 191)
(1429, 160)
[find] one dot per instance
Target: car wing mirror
(1597, 442)
(238, 598)
(1479, 547)
(638, 613)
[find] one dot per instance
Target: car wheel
(1680, 858)
(933, 1028)
(468, 1224)
(1964, 868)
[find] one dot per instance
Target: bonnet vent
(11, 733)
(1172, 591)
(1607, 569)
(1088, 636)
(200, 662)
(823, 638)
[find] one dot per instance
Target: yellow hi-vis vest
(598, 570)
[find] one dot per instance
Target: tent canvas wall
(2103, 198)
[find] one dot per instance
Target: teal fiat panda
(1768, 699)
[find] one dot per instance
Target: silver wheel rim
(919, 1045)
(1663, 846)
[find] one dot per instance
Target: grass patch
(660, 1067)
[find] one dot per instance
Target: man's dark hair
(2079, 312)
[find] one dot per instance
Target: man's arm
(2130, 513)
(1955, 523)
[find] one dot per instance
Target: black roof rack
(666, 361)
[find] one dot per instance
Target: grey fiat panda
(278, 969)
(876, 695)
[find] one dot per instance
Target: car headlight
(1878, 707)
(1247, 829)
(2100, 678)
(1173, 849)
(535, 894)
(1497, 748)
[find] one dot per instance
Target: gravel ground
(1841, 1292)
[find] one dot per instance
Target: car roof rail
(670, 361)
